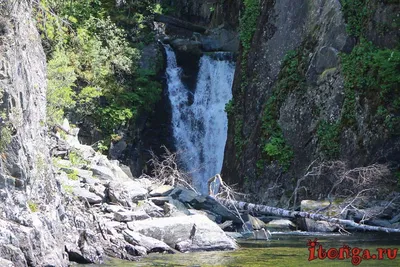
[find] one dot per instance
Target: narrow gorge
(112, 112)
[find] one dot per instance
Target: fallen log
(179, 23)
(268, 210)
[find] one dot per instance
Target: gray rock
(85, 195)
(128, 216)
(126, 170)
(187, 45)
(204, 234)
(163, 190)
(203, 202)
(151, 244)
(160, 201)
(102, 172)
(116, 149)
(377, 222)
(171, 211)
(125, 193)
(281, 225)
(395, 219)
(6, 263)
(319, 226)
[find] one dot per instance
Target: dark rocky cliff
(292, 100)
(290, 95)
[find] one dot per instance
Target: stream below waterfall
(284, 250)
(199, 120)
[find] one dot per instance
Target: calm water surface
(281, 250)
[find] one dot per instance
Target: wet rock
(320, 226)
(395, 219)
(377, 222)
(186, 45)
(204, 234)
(280, 225)
(255, 223)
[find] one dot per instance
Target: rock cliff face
(289, 92)
(26, 181)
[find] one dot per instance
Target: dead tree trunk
(179, 23)
(261, 209)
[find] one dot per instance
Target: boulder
(161, 191)
(125, 193)
(171, 211)
(199, 232)
(128, 216)
(87, 249)
(319, 226)
(85, 195)
(6, 263)
(186, 45)
(203, 202)
(151, 244)
(323, 207)
(281, 225)
(102, 172)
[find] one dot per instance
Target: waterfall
(200, 126)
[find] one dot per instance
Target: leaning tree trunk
(261, 209)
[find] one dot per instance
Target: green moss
(68, 189)
(291, 78)
(248, 23)
(329, 138)
(5, 137)
(32, 206)
(73, 175)
(372, 73)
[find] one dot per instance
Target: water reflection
(282, 250)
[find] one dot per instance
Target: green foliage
(61, 78)
(68, 189)
(5, 136)
(329, 138)
(248, 23)
(76, 159)
(229, 107)
(92, 61)
(73, 175)
(357, 14)
(291, 78)
(102, 147)
(277, 149)
(32, 206)
(372, 73)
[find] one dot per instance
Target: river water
(282, 250)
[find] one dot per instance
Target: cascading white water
(200, 128)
